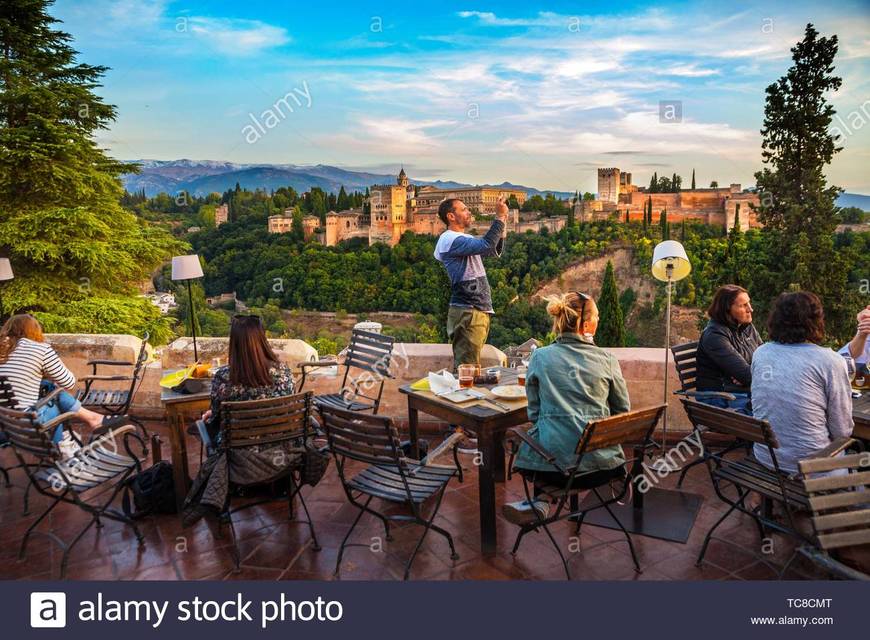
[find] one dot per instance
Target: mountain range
(201, 177)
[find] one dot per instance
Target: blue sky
(534, 93)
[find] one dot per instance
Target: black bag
(314, 464)
(153, 491)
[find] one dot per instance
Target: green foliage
(108, 315)
(611, 325)
(852, 215)
(74, 249)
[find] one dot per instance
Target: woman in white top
(29, 364)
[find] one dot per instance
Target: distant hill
(854, 200)
(201, 177)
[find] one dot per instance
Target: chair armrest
(113, 363)
(104, 378)
(512, 446)
(47, 398)
(318, 363)
(835, 448)
(69, 415)
(708, 394)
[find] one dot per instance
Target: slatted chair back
(369, 353)
(632, 427)
(269, 421)
(705, 416)
(363, 437)
(839, 503)
(7, 394)
(25, 434)
(685, 362)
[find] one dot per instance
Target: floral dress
(222, 390)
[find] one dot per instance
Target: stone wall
(643, 369)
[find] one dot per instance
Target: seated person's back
(799, 387)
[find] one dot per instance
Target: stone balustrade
(643, 369)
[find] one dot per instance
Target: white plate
(509, 392)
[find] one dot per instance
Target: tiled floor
(274, 549)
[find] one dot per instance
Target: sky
(539, 94)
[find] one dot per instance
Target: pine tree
(611, 324)
(693, 179)
(654, 183)
(627, 220)
(798, 207)
(683, 231)
(343, 202)
(76, 252)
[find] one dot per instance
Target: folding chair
(685, 356)
(114, 401)
(634, 427)
(97, 470)
(374, 440)
(748, 475)
(840, 510)
(369, 354)
(255, 425)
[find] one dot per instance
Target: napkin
(442, 382)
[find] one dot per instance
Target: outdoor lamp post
(5, 274)
(188, 268)
(669, 264)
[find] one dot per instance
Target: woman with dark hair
(253, 373)
(725, 348)
(799, 387)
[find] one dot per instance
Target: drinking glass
(850, 367)
(521, 376)
(466, 375)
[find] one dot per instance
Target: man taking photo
(470, 295)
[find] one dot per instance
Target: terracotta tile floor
(274, 549)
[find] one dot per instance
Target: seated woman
(725, 349)
(569, 383)
(31, 364)
(253, 373)
(799, 387)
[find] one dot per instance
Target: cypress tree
(693, 179)
(77, 253)
(798, 206)
(611, 324)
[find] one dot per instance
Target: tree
(342, 202)
(663, 225)
(512, 202)
(654, 183)
(714, 185)
(74, 248)
(693, 179)
(611, 324)
(798, 207)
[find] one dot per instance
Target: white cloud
(237, 37)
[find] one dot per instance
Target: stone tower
(608, 185)
(402, 180)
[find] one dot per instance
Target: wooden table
(489, 423)
(861, 416)
(181, 410)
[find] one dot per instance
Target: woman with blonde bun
(568, 384)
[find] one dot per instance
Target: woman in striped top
(29, 364)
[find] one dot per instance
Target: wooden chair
(374, 440)
(369, 355)
(634, 427)
(840, 510)
(685, 362)
(114, 401)
(748, 475)
(252, 425)
(90, 480)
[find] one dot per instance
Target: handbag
(315, 462)
(151, 491)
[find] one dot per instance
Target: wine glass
(851, 369)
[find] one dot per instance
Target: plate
(171, 380)
(509, 392)
(460, 395)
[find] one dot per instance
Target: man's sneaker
(68, 447)
(523, 512)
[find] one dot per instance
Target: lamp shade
(6, 269)
(186, 267)
(670, 253)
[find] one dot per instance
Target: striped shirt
(28, 365)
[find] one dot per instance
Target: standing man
(470, 295)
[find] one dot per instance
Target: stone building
(221, 214)
(283, 223)
(480, 199)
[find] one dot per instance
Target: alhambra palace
(397, 208)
